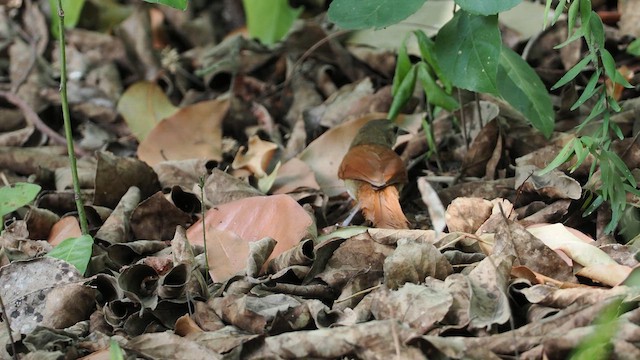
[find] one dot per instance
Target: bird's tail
(382, 207)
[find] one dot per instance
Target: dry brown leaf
(192, 132)
(466, 214)
(294, 175)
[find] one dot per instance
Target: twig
(32, 118)
(67, 124)
(361, 292)
(302, 58)
(204, 229)
(6, 318)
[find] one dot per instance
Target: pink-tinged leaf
(65, 228)
(231, 226)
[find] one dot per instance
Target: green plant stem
(204, 228)
(67, 123)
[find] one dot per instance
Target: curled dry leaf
(257, 157)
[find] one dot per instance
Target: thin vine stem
(67, 123)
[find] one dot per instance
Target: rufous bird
(373, 173)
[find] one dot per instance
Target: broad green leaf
(435, 94)
(487, 7)
(76, 251)
(405, 90)
(427, 51)
(176, 4)
(143, 105)
(72, 10)
(269, 20)
(468, 50)
(15, 197)
(521, 87)
(358, 14)
(573, 72)
(403, 65)
(588, 91)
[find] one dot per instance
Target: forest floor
(192, 136)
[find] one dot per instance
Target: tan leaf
(143, 105)
(194, 132)
(257, 157)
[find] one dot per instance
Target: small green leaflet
(76, 251)
(176, 4)
(358, 14)
(15, 197)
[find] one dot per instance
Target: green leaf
(15, 197)
(578, 34)
(594, 205)
(468, 50)
(573, 72)
(547, 7)
(269, 20)
(487, 7)
(358, 14)
(597, 30)
(115, 351)
(143, 105)
(572, 16)
(72, 10)
(435, 94)
(622, 167)
(403, 65)
(634, 47)
(427, 51)
(610, 69)
(405, 90)
(588, 91)
(560, 159)
(559, 9)
(521, 87)
(76, 251)
(176, 4)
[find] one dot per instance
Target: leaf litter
(498, 263)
